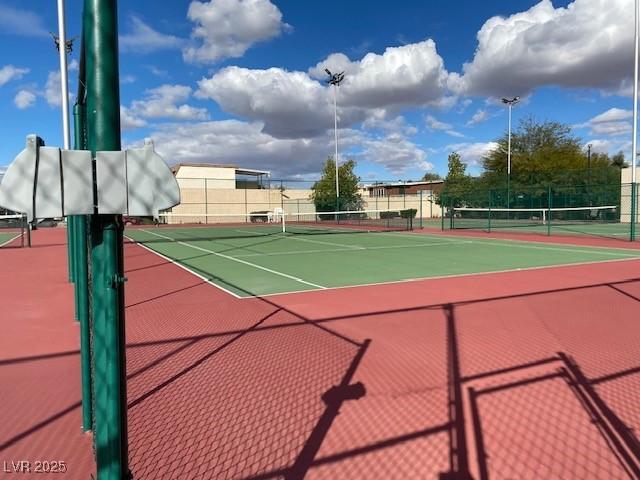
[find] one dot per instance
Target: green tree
(457, 183)
(430, 177)
(542, 154)
(323, 192)
(618, 160)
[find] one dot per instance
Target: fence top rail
(539, 209)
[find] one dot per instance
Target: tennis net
(505, 218)
(13, 230)
(188, 226)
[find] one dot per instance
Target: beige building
(625, 197)
(214, 193)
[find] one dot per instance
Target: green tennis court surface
(6, 237)
(250, 261)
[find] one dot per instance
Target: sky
(242, 81)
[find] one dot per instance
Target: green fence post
(82, 273)
(70, 250)
(549, 211)
(634, 211)
(421, 224)
(451, 214)
(100, 34)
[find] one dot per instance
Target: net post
(549, 211)
(634, 211)
(489, 219)
(421, 224)
(451, 213)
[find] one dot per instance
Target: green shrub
(408, 213)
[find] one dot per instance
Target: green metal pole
(82, 285)
(70, 249)
(549, 211)
(421, 225)
(100, 31)
(634, 210)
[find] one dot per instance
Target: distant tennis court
(256, 258)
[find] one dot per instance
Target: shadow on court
(535, 385)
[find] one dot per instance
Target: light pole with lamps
(510, 102)
(634, 148)
(335, 79)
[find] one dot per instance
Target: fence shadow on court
(463, 393)
(258, 400)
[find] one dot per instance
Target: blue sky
(242, 82)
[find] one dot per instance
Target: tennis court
(12, 229)
(256, 259)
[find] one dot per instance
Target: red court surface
(531, 374)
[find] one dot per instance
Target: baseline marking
(330, 250)
(184, 267)
(233, 259)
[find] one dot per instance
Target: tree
(430, 177)
(323, 192)
(618, 160)
(457, 183)
(543, 154)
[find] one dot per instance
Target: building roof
(239, 171)
(402, 184)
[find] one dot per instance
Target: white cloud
(241, 143)
(587, 44)
(294, 105)
(158, 72)
(144, 39)
(394, 125)
(472, 153)
(290, 104)
(395, 152)
(127, 79)
(435, 124)
(24, 99)
(129, 121)
(610, 123)
(455, 133)
(228, 28)
(612, 115)
(21, 22)
(166, 101)
(478, 117)
(9, 72)
(410, 75)
(52, 92)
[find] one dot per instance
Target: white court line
(454, 275)
(178, 264)
(259, 267)
(9, 241)
(331, 250)
(507, 242)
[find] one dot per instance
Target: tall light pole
(634, 152)
(589, 173)
(510, 102)
(64, 47)
(335, 79)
